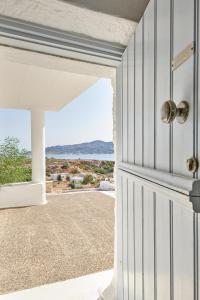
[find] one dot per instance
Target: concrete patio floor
(71, 236)
(87, 287)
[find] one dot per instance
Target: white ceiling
(71, 18)
(128, 9)
(31, 80)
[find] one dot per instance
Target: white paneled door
(158, 201)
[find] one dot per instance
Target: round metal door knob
(182, 112)
(169, 111)
(192, 164)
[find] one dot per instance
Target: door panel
(125, 237)
(163, 247)
(183, 84)
(124, 109)
(146, 140)
(197, 261)
(197, 87)
(160, 231)
(158, 247)
(149, 138)
(148, 246)
(119, 248)
(131, 101)
(183, 253)
(162, 83)
(131, 238)
(138, 241)
(139, 95)
(119, 87)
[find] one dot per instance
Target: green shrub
(99, 171)
(72, 185)
(48, 173)
(109, 170)
(67, 178)
(59, 178)
(74, 170)
(65, 166)
(13, 162)
(88, 179)
(96, 183)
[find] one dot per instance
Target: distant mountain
(95, 147)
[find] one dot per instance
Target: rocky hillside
(95, 147)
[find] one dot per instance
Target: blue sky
(87, 118)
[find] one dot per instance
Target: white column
(38, 146)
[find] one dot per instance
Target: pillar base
(22, 194)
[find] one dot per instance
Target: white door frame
(39, 38)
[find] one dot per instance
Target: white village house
(77, 179)
(105, 185)
(58, 49)
(56, 176)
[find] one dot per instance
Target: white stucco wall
(22, 194)
(65, 16)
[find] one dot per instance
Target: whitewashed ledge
(22, 194)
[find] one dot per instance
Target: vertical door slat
(138, 94)
(119, 113)
(183, 84)
(131, 237)
(125, 236)
(131, 102)
(125, 109)
(149, 139)
(162, 247)
(138, 243)
(183, 252)
(163, 83)
(119, 248)
(148, 244)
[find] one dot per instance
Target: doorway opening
(73, 234)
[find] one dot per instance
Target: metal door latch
(169, 111)
(192, 164)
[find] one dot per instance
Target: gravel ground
(69, 237)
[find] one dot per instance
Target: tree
(65, 166)
(13, 162)
(59, 178)
(88, 178)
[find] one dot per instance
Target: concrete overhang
(30, 80)
(71, 18)
(127, 9)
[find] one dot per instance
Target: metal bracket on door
(183, 56)
(195, 203)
